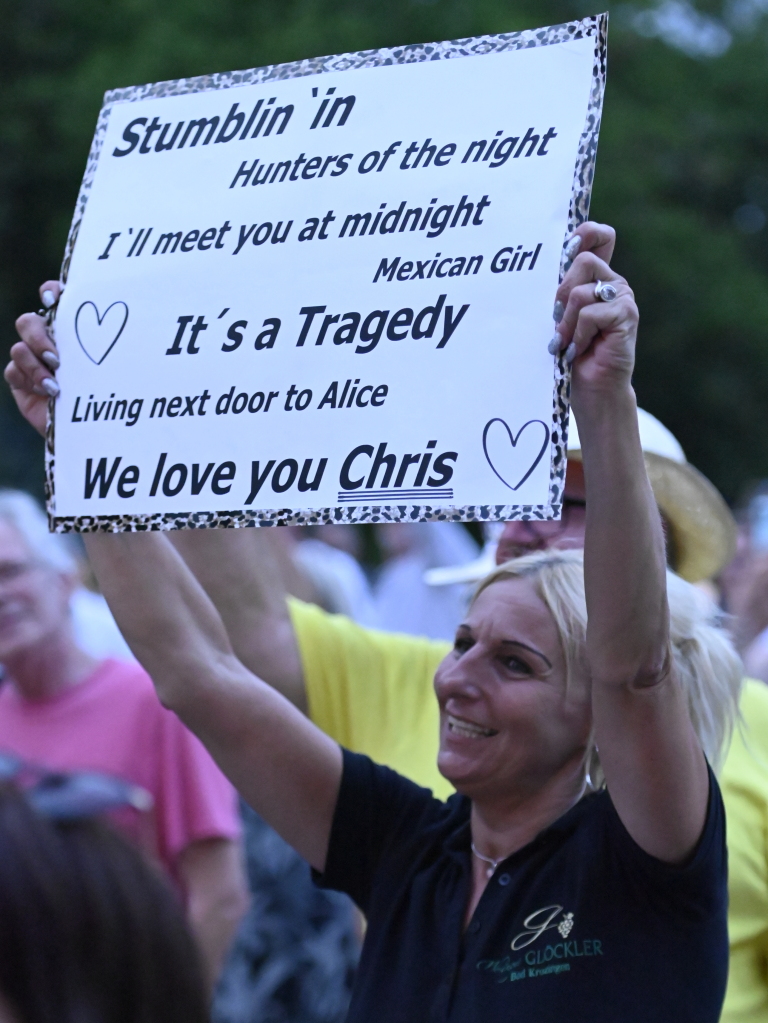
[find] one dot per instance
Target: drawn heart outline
(99, 321)
(513, 441)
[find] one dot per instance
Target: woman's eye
(461, 646)
(516, 665)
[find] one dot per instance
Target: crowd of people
(510, 770)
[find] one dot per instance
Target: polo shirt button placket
(440, 1003)
(474, 927)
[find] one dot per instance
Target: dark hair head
(89, 932)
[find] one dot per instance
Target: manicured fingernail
(51, 360)
(50, 387)
(558, 312)
(49, 299)
(570, 352)
(554, 345)
(573, 245)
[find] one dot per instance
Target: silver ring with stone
(605, 292)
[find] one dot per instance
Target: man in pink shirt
(64, 710)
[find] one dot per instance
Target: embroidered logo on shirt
(537, 923)
(542, 961)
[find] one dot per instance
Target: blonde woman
(535, 893)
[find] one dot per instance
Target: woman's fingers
(33, 330)
(30, 370)
(592, 237)
(35, 355)
(576, 291)
(34, 361)
(33, 406)
(599, 330)
(589, 239)
(582, 296)
(50, 293)
(586, 267)
(40, 340)
(612, 322)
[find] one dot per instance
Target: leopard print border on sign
(595, 27)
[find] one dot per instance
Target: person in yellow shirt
(744, 784)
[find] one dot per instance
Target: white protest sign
(323, 291)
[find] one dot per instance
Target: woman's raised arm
(654, 766)
(285, 767)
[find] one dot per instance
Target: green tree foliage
(682, 173)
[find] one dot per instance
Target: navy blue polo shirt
(579, 926)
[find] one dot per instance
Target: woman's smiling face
(508, 721)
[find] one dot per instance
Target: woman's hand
(34, 361)
(598, 336)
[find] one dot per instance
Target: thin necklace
(493, 864)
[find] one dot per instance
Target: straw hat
(702, 527)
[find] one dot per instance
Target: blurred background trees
(682, 169)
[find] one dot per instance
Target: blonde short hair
(708, 666)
